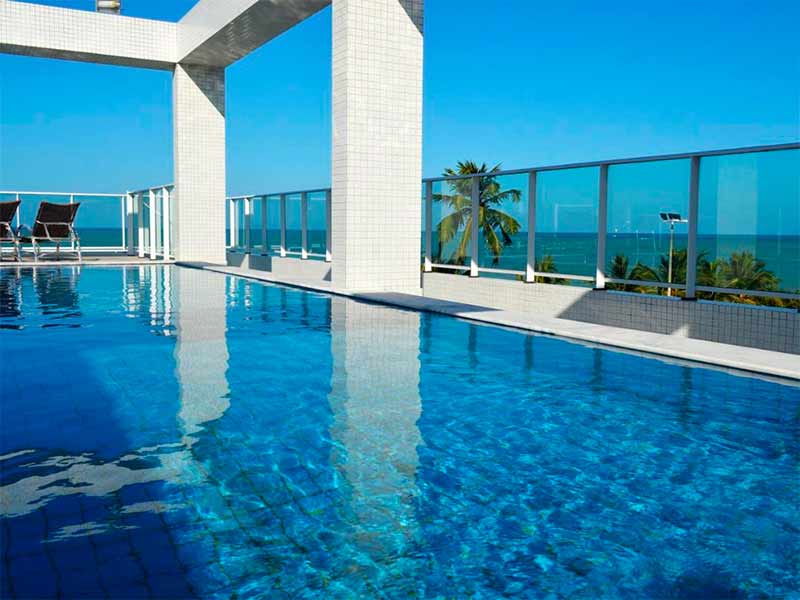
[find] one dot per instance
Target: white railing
(134, 223)
(465, 195)
(265, 224)
(105, 211)
(149, 219)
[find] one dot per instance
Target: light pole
(671, 218)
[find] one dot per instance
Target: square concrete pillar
(198, 97)
(377, 144)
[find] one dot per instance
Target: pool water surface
(173, 433)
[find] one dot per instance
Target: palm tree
(741, 271)
(661, 273)
(744, 271)
(497, 227)
(618, 269)
(547, 265)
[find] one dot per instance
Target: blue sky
(531, 83)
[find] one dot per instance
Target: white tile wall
(38, 30)
(198, 96)
(742, 325)
(377, 144)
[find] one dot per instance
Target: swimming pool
(168, 433)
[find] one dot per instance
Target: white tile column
(198, 96)
(377, 144)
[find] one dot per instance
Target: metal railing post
(428, 226)
(72, 241)
(129, 213)
(691, 247)
(602, 229)
(304, 226)
(165, 224)
(530, 264)
(16, 199)
(328, 222)
(232, 221)
(153, 225)
(283, 225)
(247, 211)
(159, 211)
(476, 217)
(140, 222)
(264, 225)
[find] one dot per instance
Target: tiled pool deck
(752, 360)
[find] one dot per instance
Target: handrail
(252, 196)
(151, 188)
(621, 161)
(91, 194)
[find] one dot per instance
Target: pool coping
(744, 360)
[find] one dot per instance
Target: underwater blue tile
(81, 583)
(159, 559)
(74, 553)
(564, 475)
(174, 586)
(114, 550)
(32, 577)
(25, 534)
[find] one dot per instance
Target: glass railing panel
(100, 221)
(256, 239)
(240, 224)
(749, 223)
(228, 223)
(422, 228)
(273, 224)
(452, 213)
(294, 236)
(144, 219)
(648, 207)
(503, 224)
(317, 233)
(567, 204)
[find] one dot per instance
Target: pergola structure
(377, 114)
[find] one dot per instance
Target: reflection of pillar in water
(201, 351)
(376, 404)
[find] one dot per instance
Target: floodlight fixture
(112, 7)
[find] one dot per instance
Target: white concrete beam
(218, 33)
(52, 32)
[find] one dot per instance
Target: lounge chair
(53, 224)
(8, 210)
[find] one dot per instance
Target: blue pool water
(172, 433)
